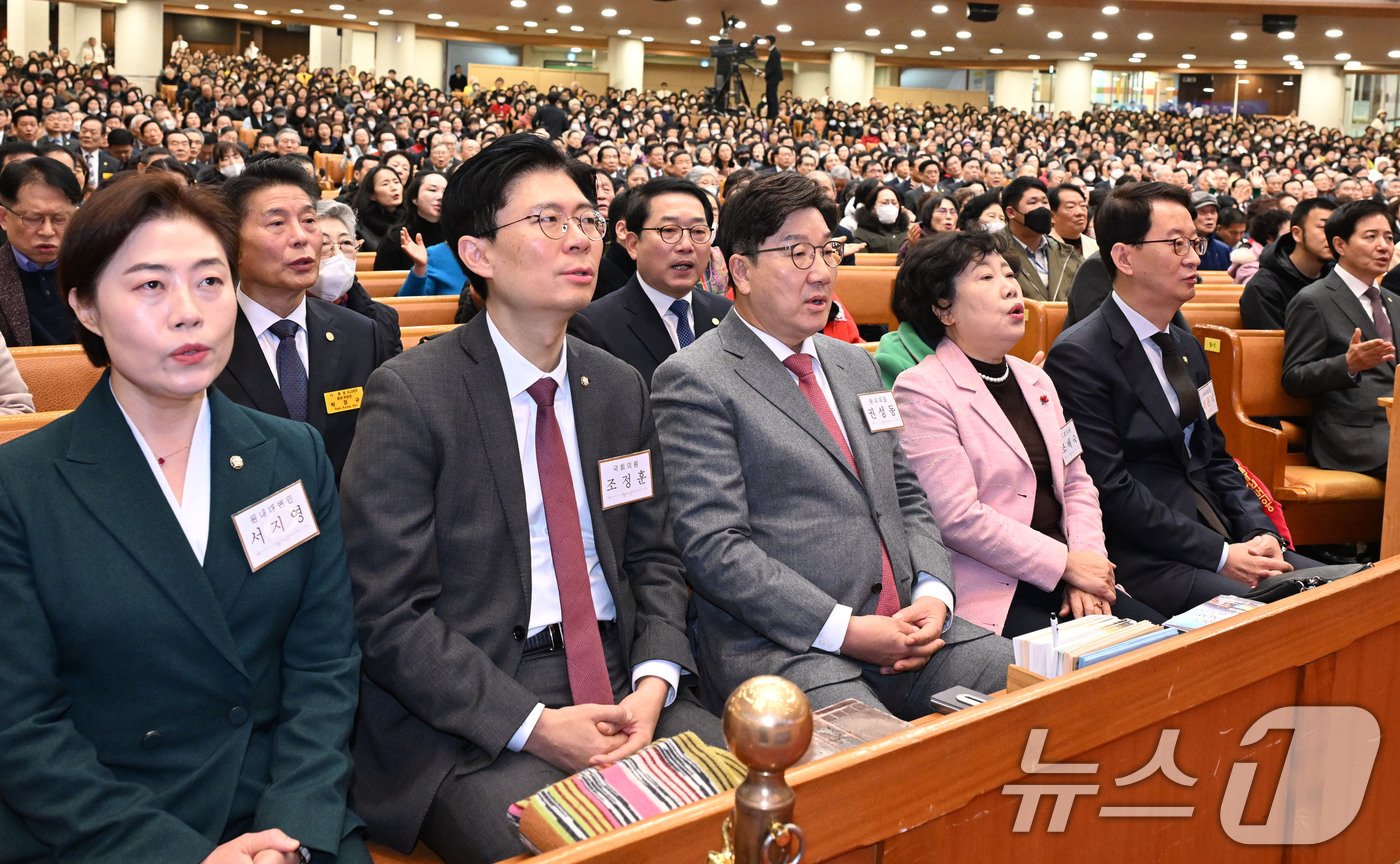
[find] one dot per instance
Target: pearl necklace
(1006, 373)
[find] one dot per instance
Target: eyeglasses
(699, 234)
(555, 225)
(35, 221)
(1180, 245)
(348, 248)
(804, 255)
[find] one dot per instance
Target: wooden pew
(382, 283)
(413, 335)
(1044, 321)
(249, 137)
(1219, 314)
(1321, 506)
(865, 292)
(364, 262)
(937, 792)
(420, 311)
(1390, 523)
(1212, 278)
(58, 376)
(13, 426)
(876, 259)
(332, 165)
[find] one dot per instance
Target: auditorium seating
(1044, 321)
(364, 261)
(1321, 506)
(14, 425)
(58, 376)
(248, 137)
(413, 335)
(419, 311)
(865, 292)
(876, 259)
(330, 166)
(382, 283)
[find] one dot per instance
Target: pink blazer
(980, 483)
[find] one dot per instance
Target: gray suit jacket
(774, 527)
(438, 537)
(1349, 430)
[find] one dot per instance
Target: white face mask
(1116, 173)
(336, 277)
(887, 213)
(993, 226)
(233, 169)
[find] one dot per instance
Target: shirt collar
(260, 318)
(29, 266)
(781, 351)
(520, 373)
(662, 302)
(1142, 328)
(1357, 287)
(1042, 249)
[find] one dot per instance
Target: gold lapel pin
(714, 321)
(583, 379)
(235, 462)
(330, 337)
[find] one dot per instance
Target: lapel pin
(1044, 400)
(583, 379)
(235, 462)
(714, 321)
(330, 337)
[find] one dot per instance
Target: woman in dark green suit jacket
(160, 698)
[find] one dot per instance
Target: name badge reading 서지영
(625, 479)
(880, 411)
(1069, 442)
(275, 525)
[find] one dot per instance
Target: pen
(1054, 632)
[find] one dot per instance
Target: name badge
(1207, 393)
(881, 412)
(348, 399)
(1069, 442)
(625, 479)
(275, 525)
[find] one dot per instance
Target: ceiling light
(1343, 56)
(1091, 54)
(939, 9)
(370, 23)
(502, 27)
(1394, 55)
(784, 28)
(872, 32)
(935, 53)
(259, 11)
(1239, 35)
(713, 38)
(838, 50)
(1352, 65)
(1285, 35)
(1025, 10)
(918, 34)
(1054, 34)
(770, 2)
(1110, 10)
(293, 11)
(528, 24)
(1188, 56)
(1145, 36)
(1183, 65)
(389, 12)
(1288, 83)
(608, 13)
(1207, 89)
(948, 49)
(451, 23)
(1293, 58)
(550, 30)
(853, 7)
(624, 32)
(432, 16)
(201, 6)
(576, 28)
(349, 16)
(694, 20)
(1139, 54)
(886, 50)
(901, 47)
(1134, 59)
(808, 43)
(995, 51)
(648, 38)
(245, 6)
(1333, 33)
(963, 34)
(1083, 59)
(564, 9)
(334, 7)
(1032, 56)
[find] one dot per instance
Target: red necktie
(801, 366)
(583, 646)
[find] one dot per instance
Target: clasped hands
(592, 736)
(902, 642)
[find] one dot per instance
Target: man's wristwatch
(304, 855)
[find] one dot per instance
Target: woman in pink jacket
(987, 436)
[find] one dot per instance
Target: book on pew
(1217, 608)
(848, 723)
(1062, 648)
(1111, 651)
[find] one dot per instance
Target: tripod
(729, 91)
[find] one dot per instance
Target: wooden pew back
(59, 376)
(865, 292)
(382, 283)
(413, 335)
(13, 426)
(421, 311)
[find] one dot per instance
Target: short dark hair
(1306, 207)
(928, 278)
(757, 211)
(639, 205)
(264, 174)
(1126, 216)
(480, 187)
(974, 207)
(40, 169)
(1016, 190)
(120, 138)
(1059, 191)
(97, 233)
(1230, 216)
(1264, 225)
(1343, 221)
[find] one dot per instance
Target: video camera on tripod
(730, 59)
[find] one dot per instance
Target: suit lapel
(324, 350)
(231, 490)
(104, 462)
(247, 365)
(486, 392)
(709, 311)
(1132, 359)
(646, 323)
(774, 383)
(1350, 306)
(960, 369)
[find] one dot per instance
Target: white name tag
(275, 525)
(1069, 442)
(881, 412)
(625, 479)
(1207, 393)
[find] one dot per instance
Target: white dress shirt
(1359, 288)
(192, 509)
(261, 319)
(663, 302)
(833, 632)
(1145, 330)
(545, 608)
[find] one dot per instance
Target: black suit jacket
(1135, 451)
(1349, 430)
(343, 347)
(439, 541)
(625, 324)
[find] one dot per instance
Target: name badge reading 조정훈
(625, 479)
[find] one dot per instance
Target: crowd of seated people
(471, 586)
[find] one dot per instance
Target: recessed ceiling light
(1393, 55)
(1285, 35)
(451, 23)
(276, 22)
(502, 27)
(624, 32)
(259, 11)
(577, 28)
(334, 7)
(1239, 36)
(1099, 35)
(935, 53)
(1343, 56)
(1288, 83)
(608, 13)
(1333, 33)
(349, 16)
(1134, 59)
(551, 30)
(1032, 56)
(293, 11)
(695, 42)
(1352, 65)
(564, 9)
(1025, 10)
(963, 34)
(808, 43)
(901, 47)
(741, 25)
(1139, 54)
(872, 31)
(1110, 10)
(770, 2)
(389, 12)
(372, 23)
(838, 50)
(648, 39)
(886, 50)
(1054, 34)
(201, 6)
(434, 16)
(695, 20)
(1207, 89)
(1091, 54)
(713, 37)
(1188, 56)
(918, 34)
(995, 51)
(1145, 36)
(1183, 65)
(245, 6)
(1083, 59)
(1293, 58)
(853, 7)
(784, 28)
(948, 49)
(939, 9)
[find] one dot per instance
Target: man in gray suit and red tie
(519, 599)
(806, 536)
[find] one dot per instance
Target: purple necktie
(801, 366)
(583, 646)
(1378, 313)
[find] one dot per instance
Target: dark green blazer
(151, 708)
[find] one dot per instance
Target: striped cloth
(667, 774)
